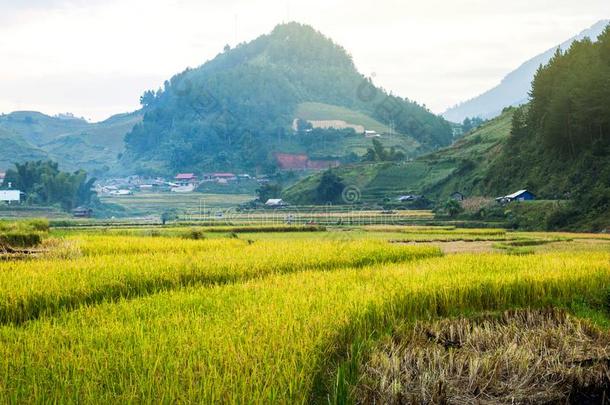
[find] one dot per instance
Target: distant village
(190, 182)
(180, 183)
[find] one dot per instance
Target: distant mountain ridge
(514, 88)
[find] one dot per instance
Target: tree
(452, 208)
(268, 191)
(147, 99)
(303, 125)
(168, 215)
(330, 188)
(467, 125)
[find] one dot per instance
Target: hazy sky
(95, 57)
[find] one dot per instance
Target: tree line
(44, 184)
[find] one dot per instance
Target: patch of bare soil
(522, 357)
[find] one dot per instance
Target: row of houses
(184, 179)
(181, 183)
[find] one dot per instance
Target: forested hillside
(236, 111)
(461, 167)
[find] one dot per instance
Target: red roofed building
(186, 178)
(288, 161)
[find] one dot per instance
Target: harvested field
(524, 357)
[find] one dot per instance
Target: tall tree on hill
(330, 188)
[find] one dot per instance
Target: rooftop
(516, 194)
(185, 176)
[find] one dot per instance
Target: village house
(275, 203)
(186, 179)
(371, 134)
(457, 196)
(82, 212)
(521, 195)
(10, 196)
(2, 177)
(220, 178)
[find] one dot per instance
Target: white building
(10, 196)
(275, 202)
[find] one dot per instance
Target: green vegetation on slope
(560, 144)
(13, 148)
(558, 147)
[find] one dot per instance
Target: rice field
(259, 316)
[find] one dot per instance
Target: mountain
(514, 88)
(74, 143)
(238, 111)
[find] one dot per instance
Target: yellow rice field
(118, 318)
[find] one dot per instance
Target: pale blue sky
(94, 58)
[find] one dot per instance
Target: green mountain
(238, 110)
(73, 143)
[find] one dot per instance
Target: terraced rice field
(185, 315)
